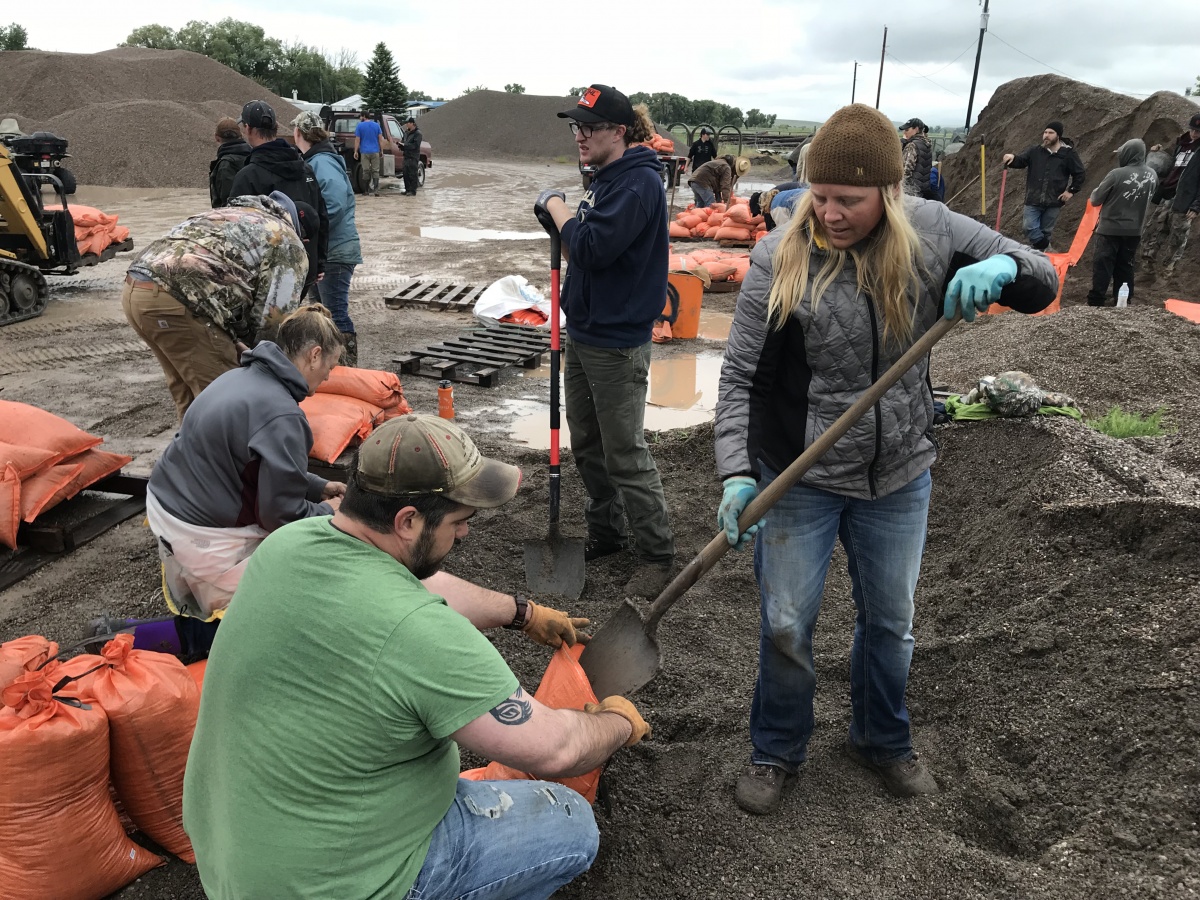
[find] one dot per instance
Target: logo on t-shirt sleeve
(589, 98)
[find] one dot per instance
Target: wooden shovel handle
(769, 495)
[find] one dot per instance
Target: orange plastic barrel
(684, 296)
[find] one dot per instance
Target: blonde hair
(308, 326)
(642, 128)
(888, 267)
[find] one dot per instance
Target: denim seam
(482, 890)
(856, 576)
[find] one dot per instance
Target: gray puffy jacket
(783, 387)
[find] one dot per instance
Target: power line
(925, 77)
(947, 65)
(1027, 56)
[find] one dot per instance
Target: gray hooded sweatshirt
(1124, 194)
(241, 454)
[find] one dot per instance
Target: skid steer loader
(34, 241)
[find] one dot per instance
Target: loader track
(23, 292)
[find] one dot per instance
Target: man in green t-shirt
(347, 671)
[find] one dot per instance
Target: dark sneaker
(648, 580)
(597, 549)
(907, 778)
(759, 789)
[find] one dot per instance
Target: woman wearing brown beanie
(831, 301)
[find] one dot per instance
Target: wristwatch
(518, 621)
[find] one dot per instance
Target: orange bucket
(684, 295)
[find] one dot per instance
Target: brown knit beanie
(857, 146)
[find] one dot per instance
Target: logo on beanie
(859, 170)
(589, 98)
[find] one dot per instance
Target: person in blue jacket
(617, 247)
(345, 252)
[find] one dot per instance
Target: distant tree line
(666, 108)
(1194, 90)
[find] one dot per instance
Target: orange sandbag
(151, 702)
(373, 385)
(38, 492)
(735, 233)
(720, 271)
(662, 332)
(10, 509)
(335, 421)
(97, 464)
(564, 686)
(689, 219)
(677, 231)
(25, 459)
(740, 267)
(24, 654)
(532, 316)
(1189, 311)
(700, 230)
(23, 424)
(196, 670)
(60, 835)
(738, 215)
(711, 231)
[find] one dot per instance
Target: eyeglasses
(588, 130)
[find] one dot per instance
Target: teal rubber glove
(739, 491)
(976, 287)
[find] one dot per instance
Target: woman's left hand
(978, 286)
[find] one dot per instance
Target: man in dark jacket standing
(411, 147)
(275, 165)
(703, 150)
(918, 159)
(1056, 174)
(1124, 198)
(1178, 200)
(617, 246)
(231, 156)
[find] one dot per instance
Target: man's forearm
(484, 608)
(589, 740)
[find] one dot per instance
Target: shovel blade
(555, 566)
(622, 656)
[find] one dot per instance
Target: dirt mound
(133, 117)
(1098, 121)
(494, 123)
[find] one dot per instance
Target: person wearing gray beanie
(1056, 174)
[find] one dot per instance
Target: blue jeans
(1039, 223)
(884, 540)
(334, 290)
(704, 197)
(501, 839)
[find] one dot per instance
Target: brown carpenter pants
(191, 350)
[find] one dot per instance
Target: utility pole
(854, 84)
(882, 54)
(983, 25)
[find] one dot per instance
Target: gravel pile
(133, 117)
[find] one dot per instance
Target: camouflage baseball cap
(308, 121)
(429, 455)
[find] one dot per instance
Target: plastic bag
(509, 294)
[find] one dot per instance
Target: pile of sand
(133, 117)
(493, 123)
(1098, 121)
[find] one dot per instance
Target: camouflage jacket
(241, 266)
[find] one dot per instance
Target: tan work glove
(626, 710)
(551, 628)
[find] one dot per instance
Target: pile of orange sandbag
(349, 406)
(43, 461)
(660, 144)
(719, 223)
(712, 265)
(96, 230)
(66, 730)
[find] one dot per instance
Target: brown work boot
(906, 778)
(349, 349)
(648, 580)
(759, 789)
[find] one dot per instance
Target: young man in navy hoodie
(617, 246)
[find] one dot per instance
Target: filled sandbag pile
(96, 231)
(44, 460)
(718, 223)
(712, 265)
(349, 406)
(132, 117)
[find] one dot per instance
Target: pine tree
(383, 91)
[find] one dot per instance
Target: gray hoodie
(1124, 194)
(241, 454)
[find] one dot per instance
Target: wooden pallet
(71, 524)
(723, 287)
(435, 295)
(338, 470)
(478, 357)
(91, 259)
(745, 245)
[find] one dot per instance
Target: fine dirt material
(1098, 121)
(133, 117)
(1053, 689)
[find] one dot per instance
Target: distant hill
(798, 123)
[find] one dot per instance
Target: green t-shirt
(321, 761)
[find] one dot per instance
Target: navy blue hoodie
(618, 247)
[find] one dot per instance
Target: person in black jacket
(411, 146)
(1056, 174)
(231, 156)
(702, 150)
(1178, 199)
(275, 165)
(918, 159)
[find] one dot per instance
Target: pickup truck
(342, 125)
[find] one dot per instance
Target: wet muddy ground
(1054, 683)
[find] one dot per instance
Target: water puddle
(714, 326)
(473, 235)
(683, 393)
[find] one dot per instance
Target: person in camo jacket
(1178, 199)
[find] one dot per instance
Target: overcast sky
(794, 59)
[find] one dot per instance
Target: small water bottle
(445, 399)
(1123, 296)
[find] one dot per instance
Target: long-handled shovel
(1000, 202)
(556, 565)
(623, 655)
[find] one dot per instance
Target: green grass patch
(563, 160)
(1118, 424)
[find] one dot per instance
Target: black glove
(543, 214)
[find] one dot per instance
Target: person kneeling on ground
(777, 204)
(828, 305)
(237, 470)
(716, 180)
(347, 673)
